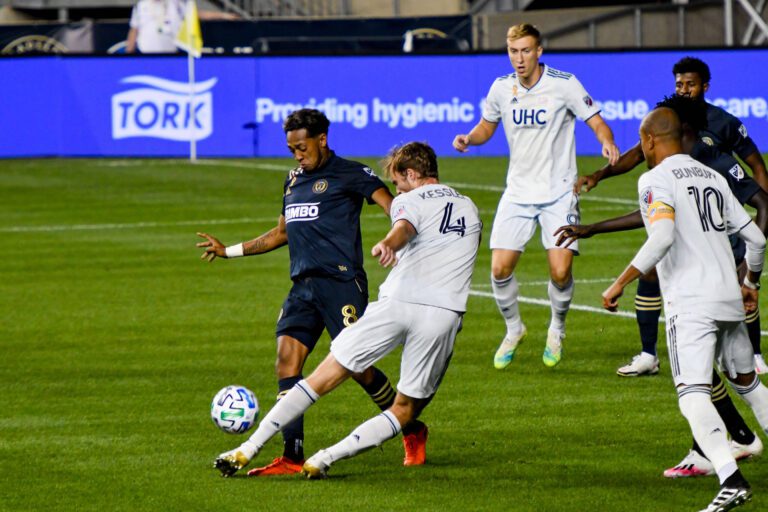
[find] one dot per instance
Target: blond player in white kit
(432, 245)
(538, 106)
(689, 211)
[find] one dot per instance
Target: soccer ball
(234, 409)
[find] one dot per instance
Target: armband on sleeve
(658, 210)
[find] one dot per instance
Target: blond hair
(418, 156)
(516, 32)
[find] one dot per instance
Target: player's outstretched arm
(759, 201)
(627, 161)
(386, 250)
(383, 197)
(572, 232)
(479, 135)
(605, 137)
(271, 240)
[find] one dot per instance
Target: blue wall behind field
(141, 106)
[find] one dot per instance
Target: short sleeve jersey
(322, 218)
(539, 125)
(741, 184)
(435, 267)
(157, 22)
(697, 275)
(727, 133)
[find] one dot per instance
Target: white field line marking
(496, 188)
(577, 307)
(139, 225)
(221, 163)
(540, 283)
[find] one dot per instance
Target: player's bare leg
(505, 292)
(370, 434)
(560, 290)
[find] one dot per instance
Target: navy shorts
(317, 303)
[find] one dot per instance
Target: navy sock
(293, 433)
(648, 311)
(753, 328)
(380, 390)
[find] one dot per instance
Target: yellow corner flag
(189, 37)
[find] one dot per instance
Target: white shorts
(427, 334)
(696, 343)
(515, 223)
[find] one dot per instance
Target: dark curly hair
(308, 119)
(693, 65)
(690, 111)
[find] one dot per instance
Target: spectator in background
(155, 23)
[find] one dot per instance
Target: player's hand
(749, 296)
(611, 297)
(387, 257)
(461, 143)
(212, 246)
(586, 183)
(611, 152)
(570, 233)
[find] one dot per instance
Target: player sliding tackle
(433, 243)
(688, 211)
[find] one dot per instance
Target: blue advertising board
(143, 106)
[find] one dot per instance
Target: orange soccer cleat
(279, 466)
(415, 445)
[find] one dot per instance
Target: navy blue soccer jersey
(741, 184)
(725, 132)
(322, 218)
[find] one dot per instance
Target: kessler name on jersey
(440, 192)
(301, 212)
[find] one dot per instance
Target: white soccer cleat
(729, 498)
(642, 364)
(761, 368)
(692, 465)
(553, 352)
(228, 463)
(316, 467)
(506, 351)
(745, 451)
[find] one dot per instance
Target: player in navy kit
(724, 132)
(693, 116)
(320, 223)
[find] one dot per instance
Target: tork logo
(163, 109)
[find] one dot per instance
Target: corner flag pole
(191, 73)
(189, 38)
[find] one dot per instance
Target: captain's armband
(658, 210)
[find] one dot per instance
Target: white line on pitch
(539, 283)
(496, 188)
(577, 307)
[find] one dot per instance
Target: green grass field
(115, 337)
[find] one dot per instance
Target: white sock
(708, 428)
(505, 292)
(756, 395)
(371, 433)
(295, 402)
(560, 302)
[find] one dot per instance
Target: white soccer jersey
(539, 125)
(158, 22)
(435, 268)
(698, 274)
